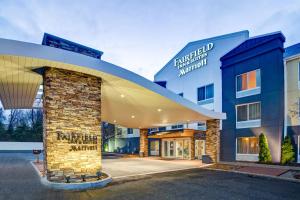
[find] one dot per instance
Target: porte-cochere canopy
(127, 98)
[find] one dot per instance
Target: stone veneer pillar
(144, 142)
(72, 116)
(212, 144)
(193, 147)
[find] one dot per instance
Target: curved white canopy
(127, 98)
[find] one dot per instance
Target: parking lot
(20, 181)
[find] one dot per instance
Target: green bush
(264, 151)
(287, 151)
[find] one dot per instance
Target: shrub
(287, 151)
(264, 151)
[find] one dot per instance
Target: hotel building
(193, 73)
(292, 96)
(246, 78)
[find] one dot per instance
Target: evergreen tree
(264, 151)
(287, 151)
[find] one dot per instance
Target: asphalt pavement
(18, 180)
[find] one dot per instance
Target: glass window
(249, 80)
(129, 131)
(209, 91)
(299, 71)
(248, 112)
(201, 93)
(242, 113)
(247, 145)
(177, 126)
(206, 92)
(254, 111)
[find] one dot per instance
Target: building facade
(255, 81)
(253, 97)
(292, 96)
(193, 73)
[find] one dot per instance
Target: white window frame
(298, 75)
(249, 123)
(244, 157)
(177, 126)
(298, 108)
(298, 151)
(248, 92)
(209, 100)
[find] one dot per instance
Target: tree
(2, 126)
(287, 151)
(264, 151)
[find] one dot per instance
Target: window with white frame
(299, 107)
(205, 94)
(247, 145)
(299, 75)
(177, 126)
(248, 115)
(248, 84)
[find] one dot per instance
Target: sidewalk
(255, 169)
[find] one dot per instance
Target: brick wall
(72, 116)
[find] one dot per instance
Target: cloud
(143, 35)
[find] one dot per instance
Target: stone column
(72, 116)
(193, 147)
(212, 144)
(144, 142)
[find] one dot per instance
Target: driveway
(20, 181)
(126, 167)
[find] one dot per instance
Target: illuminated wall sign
(79, 142)
(193, 60)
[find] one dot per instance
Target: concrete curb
(257, 175)
(72, 186)
(261, 165)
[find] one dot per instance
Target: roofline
(250, 38)
(292, 57)
(19, 48)
(75, 43)
(202, 40)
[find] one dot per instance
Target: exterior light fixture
(83, 177)
(68, 179)
(122, 95)
(115, 121)
(132, 116)
(98, 175)
(159, 109)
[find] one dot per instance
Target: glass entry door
(176, 148)
(199, 149)
(179, 149)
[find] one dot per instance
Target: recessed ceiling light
(132, 116)
(159, 109)
(122, 95)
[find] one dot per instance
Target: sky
(143, 35)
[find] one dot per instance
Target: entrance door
(179, 149)
(199, 149)
(169, 148)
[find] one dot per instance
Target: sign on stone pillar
(72, 116)
(212, 143)
(144, 142)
